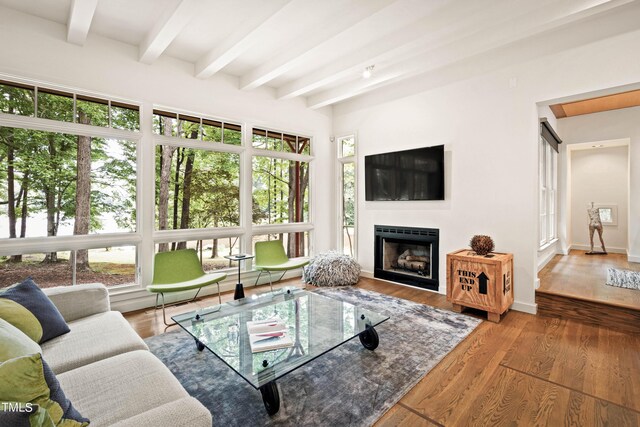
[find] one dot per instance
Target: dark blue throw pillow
(27, 308)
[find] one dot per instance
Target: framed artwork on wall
(608, 213)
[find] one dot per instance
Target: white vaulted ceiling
(318, 49)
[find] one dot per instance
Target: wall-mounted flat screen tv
(405, 175)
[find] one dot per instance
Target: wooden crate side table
(481, 282)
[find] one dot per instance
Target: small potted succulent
(481, 244)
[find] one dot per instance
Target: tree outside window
(56, 184)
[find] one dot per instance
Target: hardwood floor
(526, 370)
(583, 276)
(573, 287)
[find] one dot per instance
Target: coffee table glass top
(317, 324)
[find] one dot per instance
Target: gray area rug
(628, 279)
(349, 386)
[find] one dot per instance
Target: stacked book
(269, 334)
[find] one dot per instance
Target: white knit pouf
(332, 269)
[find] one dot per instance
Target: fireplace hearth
(407, 255)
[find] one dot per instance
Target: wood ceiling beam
(598, 104)
(558, 111)
(166, 29)
(444, 26)
(221, 56)
(80, 16)
(349, 90)
(299, 52)
(349, 65)
(525, 27)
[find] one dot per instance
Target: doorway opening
(597, 183)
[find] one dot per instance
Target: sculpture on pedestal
(595, 224)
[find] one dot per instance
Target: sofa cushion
(78, 301)
(121, 387)
(27, 308)
(91, 339)
(186, 412)
(29, 379)
(14, 343)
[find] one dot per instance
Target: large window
(279, 141)
(191, 127)
(210, 251)
(347, 192)
(55, 184)
(16, 267)
(112, 266)
(295, 244)
(280, 185)
(280, 191)
(53, 104)
(196, 188)
(69, 183)
(83, 199)
(548, 183)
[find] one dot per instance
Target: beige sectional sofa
(107, 371)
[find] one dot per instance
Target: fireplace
(407, 255)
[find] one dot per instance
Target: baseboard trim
(633, 258)
(597, 248)
(525, 307)
(546, 260)
(369, 275)
(517, 305)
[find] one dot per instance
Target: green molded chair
(270, 256)
(177, 271)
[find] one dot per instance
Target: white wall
(489, 125)
(599, 175)
(609, 125)
(36, 49)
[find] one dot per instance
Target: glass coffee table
(316, 324)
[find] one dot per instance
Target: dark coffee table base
(369, 338)
(270, 395)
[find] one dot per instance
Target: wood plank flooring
(583, 276)
(598, 362)
(526, 370)
(573, 287)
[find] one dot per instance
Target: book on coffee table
(268, 334)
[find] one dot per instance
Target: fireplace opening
(406, 258)
(407, 255)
